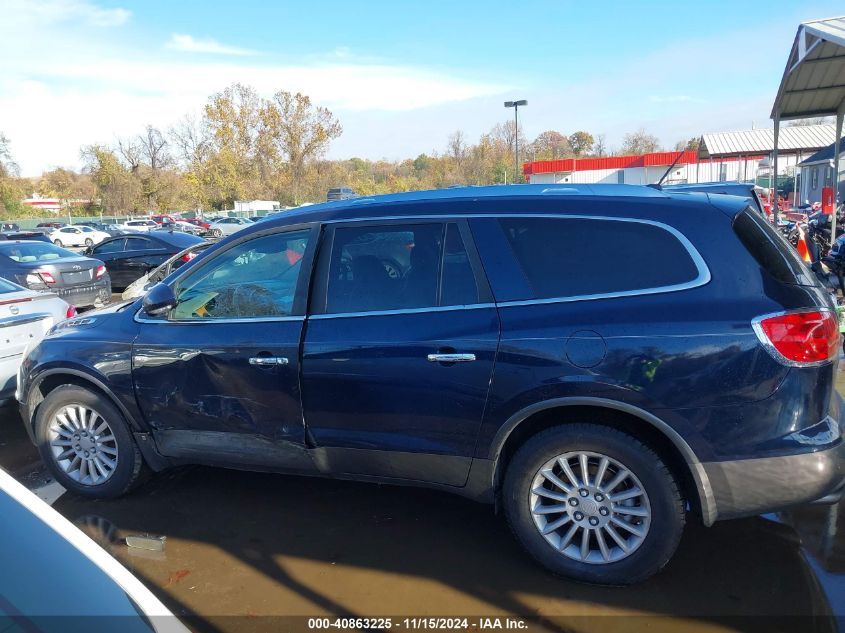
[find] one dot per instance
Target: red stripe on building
(654, 159)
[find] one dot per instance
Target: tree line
(246, 147)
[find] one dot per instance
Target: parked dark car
(340, 193)
(112, 229)
(603, 362)
(49, 226)
(37, 236)
(743, 189)
(138, 287)
(81, 281)
(9, 226)
(131, 256)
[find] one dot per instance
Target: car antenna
(658, 184)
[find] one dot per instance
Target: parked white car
(44, 556)
(140, 226)
(77, 236)
(25, 317)
(227, 226)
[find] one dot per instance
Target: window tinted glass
(139, 244)
(575, 257)
(772, 252)
(33, 252)
(458, 286)
(399, 267)
(251, 280)
(109, 247)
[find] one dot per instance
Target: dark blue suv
(601, 362)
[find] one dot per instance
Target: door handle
(268, 361)
(451, 358)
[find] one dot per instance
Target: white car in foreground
(25, 317)
(77, 236)
(56, 578)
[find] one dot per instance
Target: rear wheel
(594, 504)
(217, 233)
(57, 242)
(86, 443)
(89, 242)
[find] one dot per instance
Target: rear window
(583, 257)
(771, 250)
(26, 252)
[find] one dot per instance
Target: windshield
(33, 252)
(7, 287)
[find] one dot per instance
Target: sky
(401, 76)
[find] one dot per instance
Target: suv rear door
(382, 393)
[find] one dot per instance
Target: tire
(128, 464)
(89, 242)
(58, 243)
(662, 502)
(217, 233)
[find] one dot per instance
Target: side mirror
(159, 300)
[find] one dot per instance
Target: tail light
(188, 257)
(71, 312)
(800, 339)
(100, 271)
(47, 277)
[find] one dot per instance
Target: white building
(255, 206)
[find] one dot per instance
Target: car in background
(112, 229)
(743, 189)
(139, 226)
(49, 226)
(227, 226)
(163, 219)
(33, 235)
(9, 226)
(200, 223)
(181, 227)
(56, 578)
(25, 317)
(77, 236)
(340, 193)
(138, 287)
(81, 281)
(129, 257)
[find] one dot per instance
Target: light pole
(515, 105)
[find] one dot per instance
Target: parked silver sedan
(25, 317)
(227, 226)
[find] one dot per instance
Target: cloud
(190, 44)
(58, 11)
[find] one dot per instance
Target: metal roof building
(804, 138)
(813, 82)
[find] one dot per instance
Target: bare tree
(600, 145)
(190, 138)
(8, 167)
(640, 142)
(153, 149)
(130, 150)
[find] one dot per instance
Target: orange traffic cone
(803, 251)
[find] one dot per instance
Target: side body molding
(699, 475)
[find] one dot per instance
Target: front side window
(399, 267)
(115, 246)
(579, 257)
(255, 279)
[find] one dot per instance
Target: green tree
(581, 142)
(640, 142)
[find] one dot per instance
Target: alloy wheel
(590, 507)
(83, 444)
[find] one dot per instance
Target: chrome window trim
(701, 279)
(140, 318)
(342, 315)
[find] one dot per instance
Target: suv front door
(399, 350)
(218, 377)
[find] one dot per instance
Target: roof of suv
(375, 205)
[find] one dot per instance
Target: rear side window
(774, 254)
(581, 257)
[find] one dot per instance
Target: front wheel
(217, 233)
(89, 242)
(86, 443)
(58, 242)
(594, 504)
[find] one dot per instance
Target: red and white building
(45, 205)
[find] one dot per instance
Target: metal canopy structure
(749, 142)
(813, 85)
